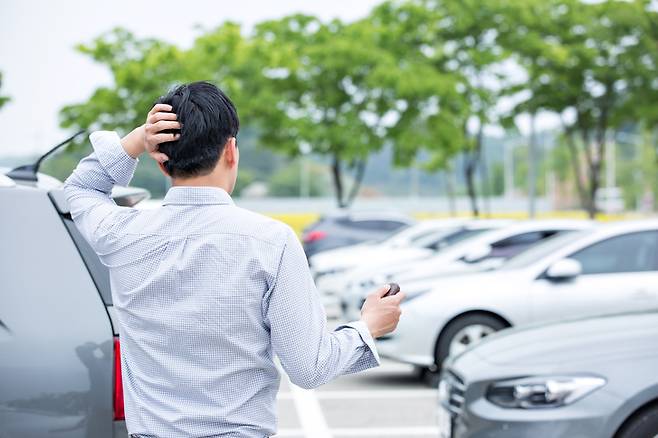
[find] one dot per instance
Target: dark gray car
(349, 228)
(593, 378)
(59, 349)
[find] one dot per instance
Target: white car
(331, 269)
(481, 252)
(414, 236)
(604, 270)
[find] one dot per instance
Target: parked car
(350, 228)
(332, 282)
(60, 372)
(594, 378)
(480, 252)
(607, 269)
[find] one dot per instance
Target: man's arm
(88, 189)
(113, 162)
(309, 353)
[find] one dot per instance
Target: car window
(383, 225)
(543, 249)
(440, 242)
(99, 272)
(514, 245)
(636, 252)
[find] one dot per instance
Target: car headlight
(542, 392)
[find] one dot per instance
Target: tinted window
(514, 245)
(451, 239)
(99, 272)
(382, 225)
(635, 252)
(543, 249)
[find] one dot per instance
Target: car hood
(379, 261)
(610, 338)
(341, 258)
(427, 273)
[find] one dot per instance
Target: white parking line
(374, 394)
(309, 412)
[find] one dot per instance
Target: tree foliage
(414, 75)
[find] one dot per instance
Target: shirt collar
(185, 195)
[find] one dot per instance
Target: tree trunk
(470, 167)
(575, 163)
(450, 187)
(358, 179)
(336, 171)
(469, 172)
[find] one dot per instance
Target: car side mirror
(477, 254)
(565, 269)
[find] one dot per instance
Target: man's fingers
(382, 291)
(160, 107)
(164, 124)
(156, 117)
(163, 138)
(159, 157)
(397, 298)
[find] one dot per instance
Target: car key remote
(395, 288)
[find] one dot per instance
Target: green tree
(458, 41)
(313, 89)
(592, 63)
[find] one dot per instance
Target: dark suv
(60, 373)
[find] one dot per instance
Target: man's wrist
(133, 143)
(374, 333)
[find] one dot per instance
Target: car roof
(123, 196)
(370, 215)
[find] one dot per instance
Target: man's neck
(201, 181)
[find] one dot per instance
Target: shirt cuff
(365, 335)
(117, 163)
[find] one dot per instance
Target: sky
(42, 72)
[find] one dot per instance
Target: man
(207, 293)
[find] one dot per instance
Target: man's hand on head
(160, 119)
(148, 136)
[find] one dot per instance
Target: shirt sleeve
(311, 355)
(88, 189)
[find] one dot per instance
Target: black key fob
(395, 288)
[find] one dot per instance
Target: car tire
(460, 327)
(642, 424)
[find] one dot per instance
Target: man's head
(209, 124)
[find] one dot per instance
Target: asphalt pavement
(388, 401)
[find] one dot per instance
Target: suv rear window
(99, 272)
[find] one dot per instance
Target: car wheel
(642, 424)
(463, 332)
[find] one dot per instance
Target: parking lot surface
(388, 401)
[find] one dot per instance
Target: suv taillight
(118, 385)
(314, 235)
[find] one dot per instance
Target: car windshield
(449, 238)
(541, 250)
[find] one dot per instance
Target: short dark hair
(208, 119)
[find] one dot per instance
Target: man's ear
(163, 169)
(231, 152)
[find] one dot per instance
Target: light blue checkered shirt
(206, 295)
